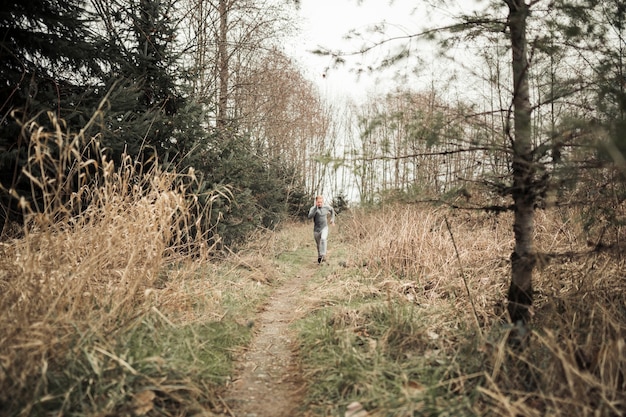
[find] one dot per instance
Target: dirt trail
(268, 381)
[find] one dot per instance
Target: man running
(319, 213)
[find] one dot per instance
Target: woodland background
(141, 139)
(207, 86)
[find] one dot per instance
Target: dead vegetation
(434, 319)
(117, 309)
(114, 308)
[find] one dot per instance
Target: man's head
(319, 201)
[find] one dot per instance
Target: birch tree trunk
(520, 296)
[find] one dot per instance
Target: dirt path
(268, 383)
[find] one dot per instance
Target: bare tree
(225, 40)
(282, 113)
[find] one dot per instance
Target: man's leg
(318, 239)
(323, 243)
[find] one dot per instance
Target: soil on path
(268, 381)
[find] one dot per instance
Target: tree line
(544, 128)
(187, 84)
(206, 86)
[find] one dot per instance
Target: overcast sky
(325, 24)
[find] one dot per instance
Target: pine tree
(48, 59)
(150, 111)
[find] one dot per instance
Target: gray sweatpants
(321, 238)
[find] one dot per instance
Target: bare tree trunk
(222, 61)
(520, 296)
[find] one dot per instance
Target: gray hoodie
(320, 217)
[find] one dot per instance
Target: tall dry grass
(434, 254)
(99, 242)
(454, 268)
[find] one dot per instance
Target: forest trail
(268, 381)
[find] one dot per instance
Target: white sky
(325, 24)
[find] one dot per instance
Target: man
(319, 213)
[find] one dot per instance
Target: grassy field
(115, 311)
(417, 321)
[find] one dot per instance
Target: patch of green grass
(381, 355)
(201, 350)
(297, 258)
(175, 369)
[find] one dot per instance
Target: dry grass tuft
(423, 304)
(413, 251)
(93, 259)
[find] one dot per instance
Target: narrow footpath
(268, 381)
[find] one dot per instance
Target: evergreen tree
(123, 65)
(597, 31)
(149, 111)
(48, 59)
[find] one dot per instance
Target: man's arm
(332, 215)
(312, 212)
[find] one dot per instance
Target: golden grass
(410, 312)
(445, 274)
(99, 261)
